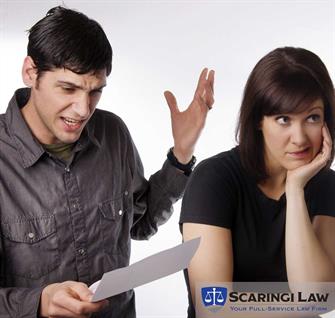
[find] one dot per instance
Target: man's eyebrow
(73, 85)
(69, 84)
(101, 87)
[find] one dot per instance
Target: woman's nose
(298, 135)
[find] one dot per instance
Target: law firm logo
(214, 298)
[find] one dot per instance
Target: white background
(161, 45)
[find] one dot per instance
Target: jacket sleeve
(153, 199)
(20, 302)
(16, 301)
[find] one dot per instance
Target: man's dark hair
(286, 80)
(68, 39)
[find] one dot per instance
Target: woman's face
(292, 140)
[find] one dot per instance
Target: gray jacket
(73, 221)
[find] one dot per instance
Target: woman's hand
(309, 243)
(298, 178)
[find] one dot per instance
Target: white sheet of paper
(147, 270)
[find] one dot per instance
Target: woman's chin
(297, 164)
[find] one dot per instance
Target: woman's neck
(274, 186)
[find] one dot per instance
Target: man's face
(61, 104)
(293, 140)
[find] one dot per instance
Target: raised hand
(300, 176)
(187, 125)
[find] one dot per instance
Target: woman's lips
(299, 154)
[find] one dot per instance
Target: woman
(265, 210)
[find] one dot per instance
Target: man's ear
(29, 72)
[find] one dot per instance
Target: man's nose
(298, 135)
(82, 106)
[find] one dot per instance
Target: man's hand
(187, 125)
(298, 178)
(68, 299)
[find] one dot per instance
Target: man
(72, 191)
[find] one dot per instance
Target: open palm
(187, 125)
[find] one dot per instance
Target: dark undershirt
(61, 151)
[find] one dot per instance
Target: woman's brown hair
(286, 80)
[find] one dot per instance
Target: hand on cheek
(298, 178)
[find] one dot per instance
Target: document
(145, 271)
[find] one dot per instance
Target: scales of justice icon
(214, 297)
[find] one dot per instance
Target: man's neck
(33, 121)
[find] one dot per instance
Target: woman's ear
(29, 72)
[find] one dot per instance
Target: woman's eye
(314, 118)
(283, 120)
